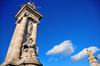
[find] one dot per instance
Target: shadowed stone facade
(22, 49)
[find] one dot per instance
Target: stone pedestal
(93, 61)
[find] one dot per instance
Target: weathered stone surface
(22, 49)
(93, 61)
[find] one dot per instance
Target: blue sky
(66, 30)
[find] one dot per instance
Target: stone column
(93, 61)
(12, 43)
(18, 41)
(34, 33)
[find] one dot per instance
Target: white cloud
(49, 59)
(52, 58)
(65, 48)
(56, 59)
(99, 64)
(83, 54)
(60, 57)
(98, 56)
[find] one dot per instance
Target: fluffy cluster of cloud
(98, 56)
(65, 48)
(83, 54)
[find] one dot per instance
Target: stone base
(26, 64)
(23, 62)
(29, 64)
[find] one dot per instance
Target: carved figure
(28, 49)
(89, 53)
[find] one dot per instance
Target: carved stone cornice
(28, 8)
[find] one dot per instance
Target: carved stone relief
(30, 29)
(28, 48)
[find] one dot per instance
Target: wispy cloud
(60, 57)
(65, 48)
(98, 56)
(83, 54)
(52, 58)
(56, 59)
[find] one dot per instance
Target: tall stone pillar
(93, 61)
(12, 44)
(18, 41)
(22, 47)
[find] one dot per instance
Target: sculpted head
(30, 40)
